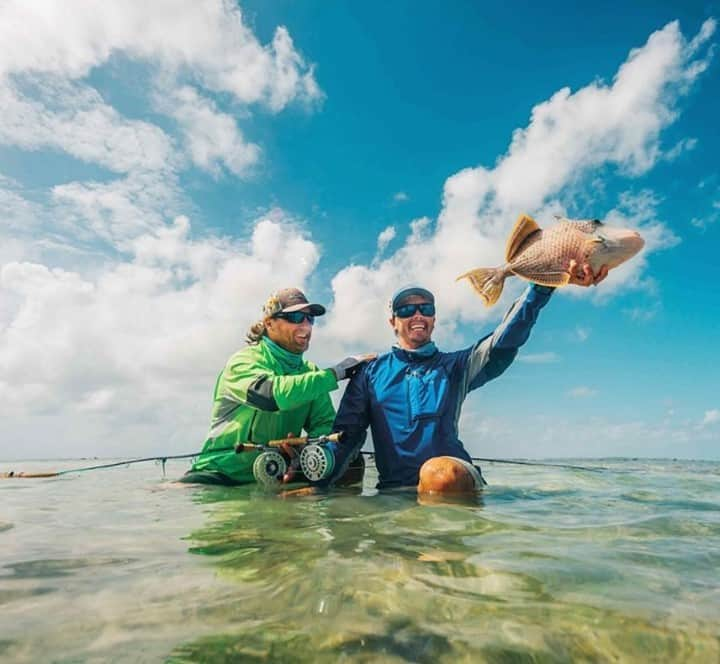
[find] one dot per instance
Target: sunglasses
(407, 310)
(296, 317)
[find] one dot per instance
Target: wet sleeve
(494, 353)
(256, 386)
(352, 419)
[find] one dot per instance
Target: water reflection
(393, 578)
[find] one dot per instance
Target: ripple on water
(39, 569)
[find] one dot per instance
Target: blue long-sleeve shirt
(412, 401)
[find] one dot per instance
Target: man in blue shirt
(411, 397)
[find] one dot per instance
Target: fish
(543, 256)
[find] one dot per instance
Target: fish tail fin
(487, 281)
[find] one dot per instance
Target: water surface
(550, 565)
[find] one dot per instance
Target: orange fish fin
(487, 281)
(524, 226)
(555, 279)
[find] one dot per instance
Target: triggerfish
(543, 256)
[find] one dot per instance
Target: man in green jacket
(267, 391)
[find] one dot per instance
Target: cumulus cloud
(49, 50)
(616, 124)
(73, 118)
(401, 197)
(385, 238)
(213, 138)
(114, 315)
(208, 41)
(124, 349)
(145, 335)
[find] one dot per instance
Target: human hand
(348, 367)
(292, 454)
(584, 276)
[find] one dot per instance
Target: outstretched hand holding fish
(551, 256)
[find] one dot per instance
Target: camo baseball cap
(290, 299)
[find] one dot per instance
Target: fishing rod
(248, 447)
(240, 447)
(596, 469)
(126, 462)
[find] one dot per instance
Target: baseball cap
(408, 291)
(290, 299)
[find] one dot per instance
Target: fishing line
(596, 469)
(127, 462)
(164, 458)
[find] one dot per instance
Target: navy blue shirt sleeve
(352, 419)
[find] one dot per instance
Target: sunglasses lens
(297, 317)
(407, 310)
(427, 309)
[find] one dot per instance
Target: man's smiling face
(294, 337)
(416, 330)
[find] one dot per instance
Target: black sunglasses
(407, 310)
(295, 317)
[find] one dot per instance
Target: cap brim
(313, 309)
(409, 292)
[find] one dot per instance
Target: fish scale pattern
(545, 255)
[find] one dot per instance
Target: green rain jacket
(263, 393)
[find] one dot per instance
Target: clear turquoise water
(551, 566)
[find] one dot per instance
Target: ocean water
(550, 565)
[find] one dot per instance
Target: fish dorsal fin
(524, 226)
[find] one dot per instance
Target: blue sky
(163, 166)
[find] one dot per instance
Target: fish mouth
(635, 243)
(622, 245)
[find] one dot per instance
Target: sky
(165, 165)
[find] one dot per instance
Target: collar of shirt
(289, 361)
(425, 351)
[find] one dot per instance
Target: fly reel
(317, 462)
(269, 468)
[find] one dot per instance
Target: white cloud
(710, 417)
(682, 146)
(385, 238)
(143, 337)
(208, 41)
(401, 197)
(46, 101)
(124, 349)
(538, 358)
(540, 435)
(118, 210)
(74, 119)
(582, 334)
(568, 136)
(213, 138)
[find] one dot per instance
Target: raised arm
(494, 353)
